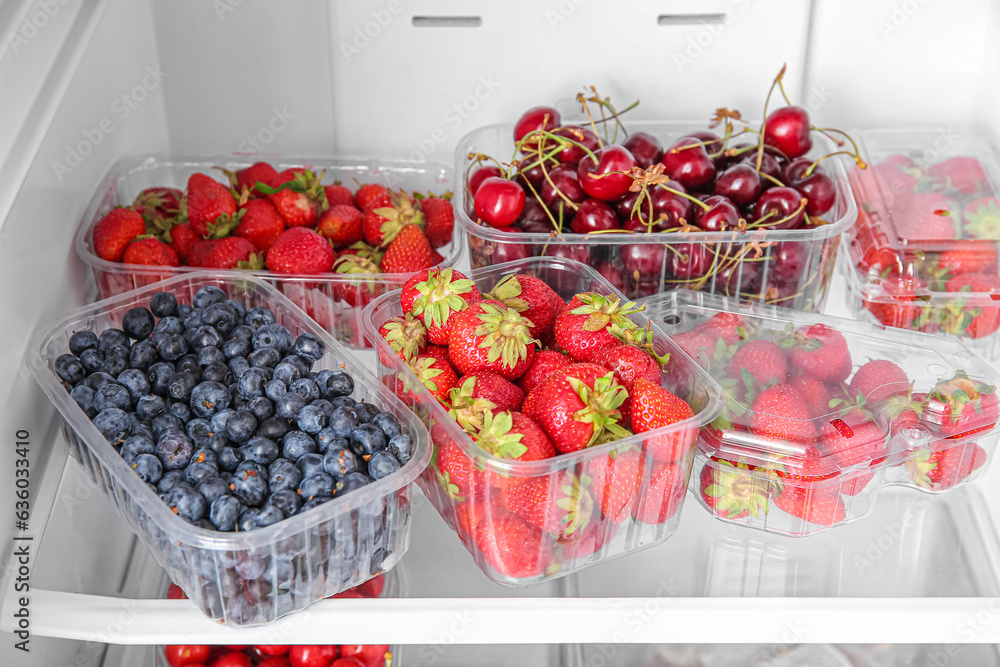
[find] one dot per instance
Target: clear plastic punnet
(253, 577)
(923, 255)
(334, 300)
(788, 267)
(820, 412)
(626, 494)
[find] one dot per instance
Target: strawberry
(342, 224)
(229, 253)
(469, 411)
(298, 196)
(780, 414)
(588, 541)
(629, 363)
(436, 374)
(408, 252)
(653, 407)
(962, 174)
(559, 503)
(968, 259)
(882, 261)
(512, 435)
(585, 324)
(853, 439)
(439, 219)
(822, 507)
(578, 406)
(814, 393)
(405, 334)
(158, 204)
(804, 466)
(246, 179)
(927, 217)
(943, 469)
(878, 380)
(615, 482)
(369, 194)
(982, 219)
(486, 336)
(500, 391)
(762, 359)
(733, 490)
(728, 326)
(511, 546)
(211, 208)
(435, 295)
(113, 233)
(150, 251)
(978, 314)
(531, 297)
(960, 406)
(664, 493)
(383, 223)
(183, 240)
(461, 478)
(357, 291)
(900, 306)
(300, 250)
(545, 363)
(261, 224)
(436, 257)
(901, 411)
(696, 344)
(821, 353)
(897, 175)
(338, 195)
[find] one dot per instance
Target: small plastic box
(745, 270)
(661, 486)
(831, 430)
(332, 299)
(330, 548)
(923, 255)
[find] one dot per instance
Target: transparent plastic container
(746, 261)
(661, 485)
(923, 255)
(334, 300)
(831, 430)
(330, 548)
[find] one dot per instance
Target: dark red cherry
(819, 191)
(499, 202)
(481, 174)
(793, 171)
(740, 183)
(623, 207)
(721, 216)
(644, 259)
(537, 226)
(788, 261)
(582, 135)
(609, 186)
(670, 208)
(690, 261)
(781, 295)
(787, 129)
(534, 212)
(579, 252)
(769, 165)
(645, 148)
(704, 135)
(564, 178)
(613, 273)
(594, 215)
(691, 167)
(508, 252)
(780, 203)
(531, 173)
(738, 277)
(642, 288)
(535, 118)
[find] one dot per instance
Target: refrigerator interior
(88, 83)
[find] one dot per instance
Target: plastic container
(812, 453)
(331, 548)
(748, 273)
(334, 300)
(606, 535)
(924, 252)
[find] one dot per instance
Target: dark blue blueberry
(112, 395)
(135, 446)
(283, 475)
(212, 488)
(181, 411)
(82, 340)
(321, 377)
(244, 331)
(148, 467)
(309, 464)
(343, 421)
(84, 397)
(171, 347)
(238, 365)
(69, 369)
(183, 309)
(198, 430)
(313, 503)
(340, 462)
(248, 486)
(274, 428)
(187, 503)
(163, 304)
(169, 325)
(138, 323)
(223, 512)
(174, 449)
(229, 459)
(92, 360)
(340, 383)
(169, 480)
(159, 375)
(207, 398)
(259, 316)
(252, 566)
(261, 407)
(367, 439)
(305, 388)
(241, 426)
(324, 405)
(286, 500)
(97, 380)
(269, 515)
(275, 389)
(164, 422)
(236, 347)
(303, 365)
(135, 381)
(220, 419)
(205, 336)
(280, 574)
(285, 372)
(110, 338)
(204, 455)
(265, 357)
(261, 450)
(289, 404)
(114, 365)
(221, 317)
(318, 484)
(366, 412)
(197, 472)
(256, 468)
(327, 438)
(296, 444)
(189, 333)
(309, 347)
(343, 402)
(210, 355)
(351, 482)
(142, 355)
(217, 372)
(401, 446)
(252, 382)
(272, 335)
(217, 442)
(207, 295)
(389, 424)
(189, 363)
(238, 309)
(180, 385)
(382, 464)
(311, 419)
(247, 520)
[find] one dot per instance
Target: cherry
(781, 295)
(788, 261)
(272, 650)
(623, 207)
(532, 175)
(187, 654)
(573, 154)
(565, 179)
(668, 207)
(575, 251)
(594, 215)
(720, 217)
(740, 183)
(690, 261)
(536, 226)
(481, 174)
(645, 148)
(613, 273)
(610, 186)
(637, 225)
(535, 118)
(769, 165)
(736, 277)
(368, 654)
(350, 662)
(312, 655)
(691, 167)
(275, 661)
(780, 202)
(232, 659)
(643, 259)
(819, 191)
(508, 252)
(534, 211)
(704, 135)
(643, 288)
(793, 170)
(787, 129)
(499, 202)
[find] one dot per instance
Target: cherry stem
(476, 159)
(808, 172)
(771, 178)
(561, 144)
(559, 192)
(763, 122)
(621, 113)
(857, 152)
(790, 216)
(593, 126)
(539, 199)
(703, 205)
(781, 87)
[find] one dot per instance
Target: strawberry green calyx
(440, 296)
(362, 249)
(430, 195)
(640, 338)
(576, 502)
(222, 226)
(253, 263)
(470, 412)
(399, 214)
(452, 490)
(508, 292)
(920, 468)
(496, 438)
(354, 264)
(306, 182)
(734, 490)
(406, 335)
(422, 369)
(956, 392)
(507, 334)
(605, 310)
(602, 403)
(984, 222)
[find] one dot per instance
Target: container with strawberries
(924, 251)
(564, 425)
(820, 412)
(330, 234)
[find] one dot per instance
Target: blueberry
(261, 450)
(401, 446)
(236, 347)
(207, 398)
(285, 372)
(169, 325)
(84, 397)
(180, 385)
(314, 502)
(223, 512)
(239, 310)
(252, 382)
(69, 369)
(204, 455)
(252, 566)
(229, 459)
(286, 500)
(350, 482)
(189, 363)
(163, 304)
(274, 428)
(325, 406)
(164, 422)
(139, 426)
(244, 332)
(135, 382)
(149, 406)
(309, 347)
(366, 412)
(269, 515)
(283, 475)
(272, 335)
(311, 419)
(367, 439)
(289, 404)
(92, 360)
(183, 309)
(343, 421)
(327, 438)
(318, 484)
(257, 468)
(296, 444)
(207, 295)
(212, 488)
(265, 357)
(259, 316)
(198, 429)
(382, 464)
(82, 340)
(159, 375)
(261, 407)
(339, 462)
(136, 446)
(181, 411)
(205, 336)
(280, 574)
(174, 449)
(305, 388)
(216, 442)
(112, 395)
(138, 323)
(221, 317)
(110, 338)
(248, 519)
(241, 426)
(249, 487)
(238, 365)
(187, 503)
(389, 424)
(142, 355)
(340, 383)
(197, 472)
(97, 380)
(148, 467)
(342, 402)
(217, 372)
(114, 365)
(170, 480)
(220, 419)
(210, 354)
(113, 425)
(309, 464)
(275, 389)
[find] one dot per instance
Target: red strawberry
(358, 290)
(880, 260)
(183, 240)
(900, 305)
(461, 478)
(814, 393)
(964, 174)
(338, 195)
(653, 407)
(298, 197)
(435, 295)
(733, 490)
(615, 481)
(969, 259)
(511, 546)
(512, 435)
(730, 327)
(383, 223)
(247, 179)
(500, 391)
(300, 250)
(113, 233)
(436, 257)
(153, 203)
(927, 217)
(664, 493)
(341, 224)
(150, 252)
(878, 380)
(531, 297)
(439, 219)
(228, 253)
(821, 353)
(853, 439)
(696, 344)
(762, 359)
(261, 224)
(629, 363)
(588, 541)
(822, 507)
(545, 363)
(578, 406)
(211, 208)
(436, 374)
(405, 334)
(897, 175)
(485, 336)
(945, 468)
(408, 252)
(982, 219)
(559, 503)
(979, 313)
(961, 406)
(585, 324)
(369, 194)
(780, 414)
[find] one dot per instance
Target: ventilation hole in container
(672, 319)
(936, 369)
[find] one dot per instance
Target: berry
(115, 231)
